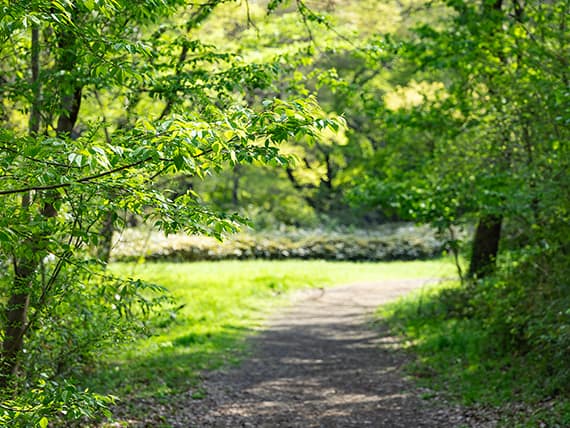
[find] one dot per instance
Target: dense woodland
(204, 117)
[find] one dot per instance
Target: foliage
(37, 407)
(500, 343)
(325, 54)
(101, 103)
(391, 242)
(66, 339)
(480, 136)
(472, 144)
(113, 110)
(262, 194)
(102, 313)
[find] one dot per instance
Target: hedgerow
(404, 242)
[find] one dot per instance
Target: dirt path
(320, 363)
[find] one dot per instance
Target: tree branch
(44, 162)
(89, 177)
(81, 180)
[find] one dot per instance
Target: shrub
(396, 243)
(50, 402)
(90, 314)
(505, 338)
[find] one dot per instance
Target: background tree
(482, 139)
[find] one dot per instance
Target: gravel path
(320, 363)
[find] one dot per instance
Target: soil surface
(321, 362)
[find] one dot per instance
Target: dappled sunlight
(222, 303)
(317, 362)
(189, 183)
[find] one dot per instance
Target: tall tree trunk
(488, 233)
(17, 317)
(485, 246)
(26, 265)
(16, 314)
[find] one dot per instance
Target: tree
(99, 100)
(483, 142)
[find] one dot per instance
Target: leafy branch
(80, 180)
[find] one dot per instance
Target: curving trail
(320, 363)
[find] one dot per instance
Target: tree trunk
(106, 243)
(485, 246)
(235, 186)
(25, 266)
(16, 314)
(16, 317)
(488, 232)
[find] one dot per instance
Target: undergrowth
(502, 343)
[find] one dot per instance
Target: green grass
(223, 302)
(457, 354)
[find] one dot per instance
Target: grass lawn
(222, 303)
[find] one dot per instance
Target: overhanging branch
(80, 180)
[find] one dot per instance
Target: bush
(527, 309)
(50, 402)
(391, 243)
(90, 314)
(498, 341)
(100, 314)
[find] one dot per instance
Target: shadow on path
(320, 364)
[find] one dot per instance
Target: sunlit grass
(222, 302)
(455, 355)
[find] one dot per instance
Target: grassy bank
(459, 353)
(220, 303)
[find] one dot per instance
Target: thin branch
(158, 173)
(250, 21)
(44, 162)
(53, 277)
(105, 128)
(304, 9)
(35, 113)
(81, 180)
(90, 177)
(17, 409)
